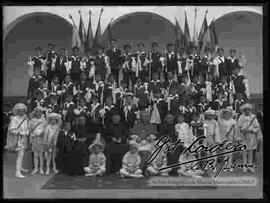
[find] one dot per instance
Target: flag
(203, 30)
(206, 42)
(89, 37)
(195, 33)
(179, 35)
(109, 36)
(213, 37)
(186, 33)
(76, 42)
(97, 39)
(82, 33)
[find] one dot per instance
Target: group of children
(206, 95)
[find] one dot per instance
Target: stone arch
(11, 25)
(141, 27)
(22, 36)
(242, 30)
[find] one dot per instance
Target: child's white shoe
(34, 171)
(251, 170)
(164, 174)
(47, 172)
(19, 175)
(89, 174)
(24, 170)
(55, 170)
(41, 172)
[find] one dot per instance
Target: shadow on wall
(242, 30)
(33, 31)
(142, 27)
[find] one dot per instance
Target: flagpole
(194, 27)
(101, 11)
(70, 16)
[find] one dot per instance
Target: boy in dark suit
(33, 84)
(51, 57)
(154, 58)
(114, 55)
(60, 67)
(75, 70)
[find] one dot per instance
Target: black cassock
(76, 158)
(65, 146)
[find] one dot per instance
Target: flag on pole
(206, 41)
(213, 37)
(186, 33)
(82, 33)
(203, 30)
(76, 42)
(109, 36)
(195, 33)
(97, 39)
(179, 35)
(89, 37)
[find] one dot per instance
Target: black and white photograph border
(130, 102)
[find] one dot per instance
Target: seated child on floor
(97, 160)
(131, 162)
(187, 169)
(160, 161)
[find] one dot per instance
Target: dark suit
(115, 61)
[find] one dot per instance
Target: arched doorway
(143, 27)
(23, 35)
(242, 30)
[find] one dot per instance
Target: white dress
(17, 133)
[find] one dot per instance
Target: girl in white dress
(17, 136)
(50, 138)
(228, 130)
(37, 127)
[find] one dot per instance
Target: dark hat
(38, 48)
(220, 49)
(154, 44)
(75, 48)
(38, 91)
(192, 46)
(169, 44)
(170, 113)
(68, 94)
(50, 44)
(232, 50)
(99, 46)
(94, 96)
(113, 40)
(115, 112)
(52, 95)
(127, 46)
(206, 49)
(140, 44)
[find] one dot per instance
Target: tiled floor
(30, 187)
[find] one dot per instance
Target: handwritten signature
(223, 148)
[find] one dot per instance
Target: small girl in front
(50, 138)
(131, 162)
(37, 127)
(227, 127)
(97, 160)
